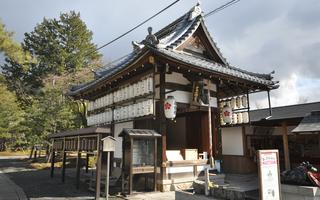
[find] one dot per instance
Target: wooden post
(210, 125)
(78, 165)
(78, 170)
(87, 162)
(155, 165)
(107, 178)
(285, 146)
(131, 166)
(162, 119)
(63, 165)
(98, 167)
(53, 155)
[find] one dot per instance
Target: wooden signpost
(109, 145)
(269, 176)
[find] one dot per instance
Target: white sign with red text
(269, 174)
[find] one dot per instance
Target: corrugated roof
(82, 131)
(139, 133)
(285, 112)
(310, 123)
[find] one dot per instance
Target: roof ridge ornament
(195, 11)
(151, 38)
(137, 46)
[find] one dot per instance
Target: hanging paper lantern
(234, 118)
(244, 101)
(245, 117)
(233, 103)
(226, 114)
(170, 107)
(239, 118)
(239, 102)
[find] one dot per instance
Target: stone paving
(19, 181)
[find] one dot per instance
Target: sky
(258, 36)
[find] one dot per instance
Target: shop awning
(310, 123)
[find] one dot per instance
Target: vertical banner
(269, 175)
(199, 97)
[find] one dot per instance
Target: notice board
(269, 175)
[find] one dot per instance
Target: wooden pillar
(131, 166)
(64, 165)
(98, 167)
(163, 125)
(285, 146)
(155, 165)
(53, 155)
(209, 123)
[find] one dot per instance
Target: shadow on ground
(38, 184)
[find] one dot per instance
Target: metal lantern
(170, 107)
(226, 114)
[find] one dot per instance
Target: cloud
(259, 36)
(288, 42)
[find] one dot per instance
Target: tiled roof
(214, 67)
(82, 131)
(285, 112)
(310, 123)
(103, 74)
(170, 37)
(139, 133)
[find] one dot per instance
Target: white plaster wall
(232, 143)
(181, 96)
(117, 130)
(175, 77)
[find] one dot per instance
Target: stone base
(175, 184)
(295, 192)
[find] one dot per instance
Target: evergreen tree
(60, 46)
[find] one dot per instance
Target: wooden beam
(285, 146)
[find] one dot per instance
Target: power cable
(222, 7)
(137, 26)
